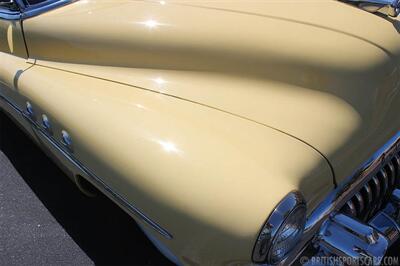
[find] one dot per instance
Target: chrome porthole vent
(29, 110)
(282, 231)
(66, 140)
(46, 123)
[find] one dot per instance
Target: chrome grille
(366, 202)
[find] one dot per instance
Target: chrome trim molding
(106, 189)
(12, 105)
(161, 247)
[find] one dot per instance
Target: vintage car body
(199, 117)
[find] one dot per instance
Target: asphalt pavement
(45, 220)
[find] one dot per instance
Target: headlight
(282, 231)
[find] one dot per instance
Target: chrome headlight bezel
(269, 232)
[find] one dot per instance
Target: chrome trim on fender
(88, 173)
(12, 105)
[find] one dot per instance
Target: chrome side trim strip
(12, 105)
(90, 174)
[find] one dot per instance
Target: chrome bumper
(342, 236)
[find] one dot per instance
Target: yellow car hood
(323, 72)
